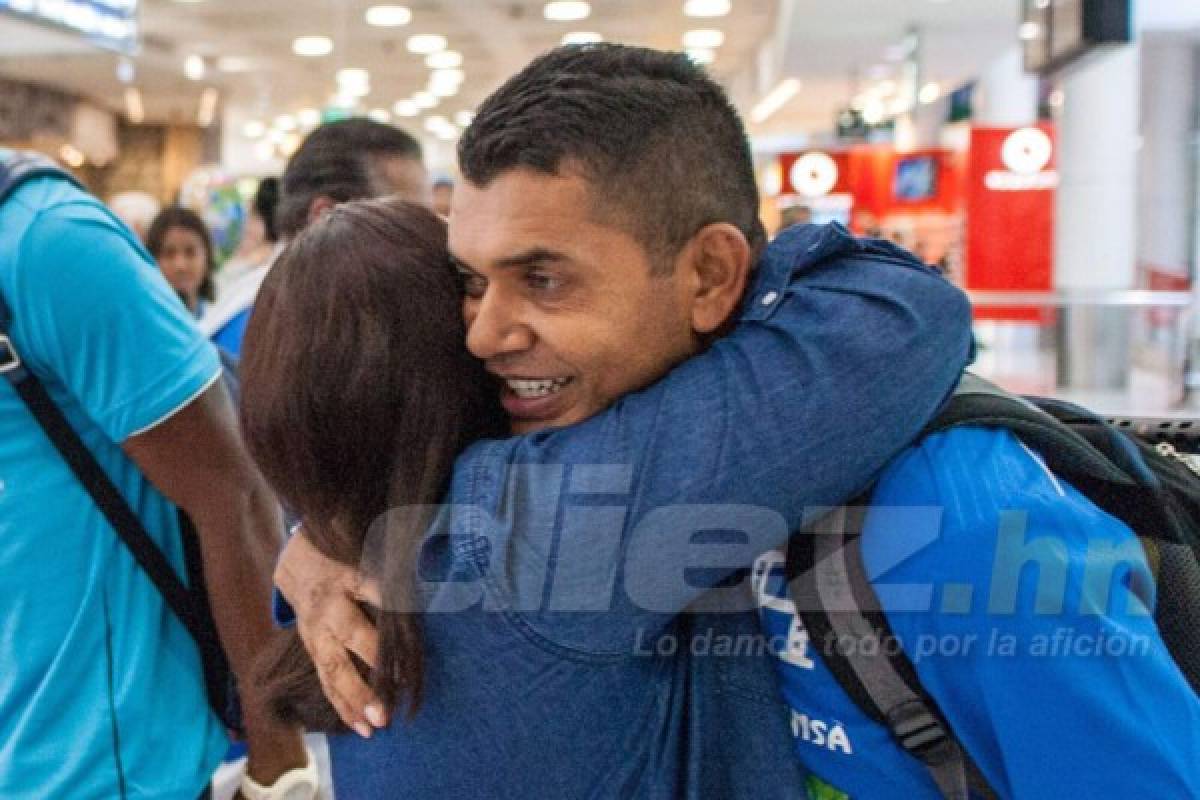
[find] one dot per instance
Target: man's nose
(495, 327)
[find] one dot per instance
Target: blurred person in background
(260, 241)
(180, 243)
(443, 194)
(101, 687)
(350, 159)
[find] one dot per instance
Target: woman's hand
(325, 595)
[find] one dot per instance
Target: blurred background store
(1044, 153)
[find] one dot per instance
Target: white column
(1095, 231)
(1006, 96)
(1165, 181)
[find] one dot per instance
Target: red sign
(1011, 178)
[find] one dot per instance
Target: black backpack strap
(103, 491)
(841, 612)
(23, 167)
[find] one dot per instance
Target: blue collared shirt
(560, 660)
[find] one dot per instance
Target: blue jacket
(1054, 678)
(559, 662)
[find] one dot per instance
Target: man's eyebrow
(531, 257)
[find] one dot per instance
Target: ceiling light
(566, 10)
(234, 64)
(254, 129)
(207, 112)
(1029, 31)
(775, 100)
(193, 67)
(309, 118)
(353, 78)
(707, 8)
(133, 105)
(703, 38)
(873, 111)
(582, 37)
(447, 76)
(312, 46)
(464, 118)
(425, 43)
(406, 108)
(447, 59)
(435, 123)
(285, 122)
(388, 16)
(380, 115)
(289, 144)
(929, 93)
(702, 55)
(448, 134)
(443, 89)
(425, 100)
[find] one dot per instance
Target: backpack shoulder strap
(846, 626)
(17, 169)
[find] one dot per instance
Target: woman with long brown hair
(362, 316)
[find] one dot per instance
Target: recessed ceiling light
(707, 8)
(703, 38)
(425, 100)
(194, 68)
(443, 89)
(447, 59)
(254, 129)
(380, 115)
(425, 43)
(1029, 31)
(702, 55)
(582, 37)
(929, 93)
(435, 123)
(312, 46)
(464, 118)
(454, 76)
(567, 10)
(388, 16)
(309, 118)
(406, 108)
(285, 122)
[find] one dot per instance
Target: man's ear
(319, 207)
(718, 263)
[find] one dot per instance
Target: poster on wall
(110, 24)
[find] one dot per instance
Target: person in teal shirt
(101, 688)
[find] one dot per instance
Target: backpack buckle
(10, 360)
(920, 733)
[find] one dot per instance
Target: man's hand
(325, 596)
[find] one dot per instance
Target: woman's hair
(357, 395)
(180, 217)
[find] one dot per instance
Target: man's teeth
(541, 388)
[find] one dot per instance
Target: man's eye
(542, 282)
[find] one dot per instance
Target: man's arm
(195, 458)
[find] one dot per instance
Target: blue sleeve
(97, 316)
(231, 334)
(1037, 640)
(835, 365)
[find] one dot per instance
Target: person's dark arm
(196, 459)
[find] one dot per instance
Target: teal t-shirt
(101, 690)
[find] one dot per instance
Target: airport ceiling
(246, 49)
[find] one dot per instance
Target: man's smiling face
(563, 306)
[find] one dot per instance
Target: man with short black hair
(350, 159)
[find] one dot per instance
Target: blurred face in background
(184, 260)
